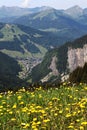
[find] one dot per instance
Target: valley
(42, 48)
(27, 65)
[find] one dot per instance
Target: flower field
(63, 108)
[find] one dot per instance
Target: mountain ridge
(19, 11)
(64, 25)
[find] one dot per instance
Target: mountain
(74, 11)
(9, 14)
(45, 20)
(58, 63)
(67, 26)
(18, 11)
(14, 14)
(20, 40)
(85, 11)
(78, 14)
(9, 71)
(12, 11)
(83, 19)
(56, 22)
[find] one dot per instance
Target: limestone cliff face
(53, 66)
(77, 57)
(54, 71)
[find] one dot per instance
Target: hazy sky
(59, 4)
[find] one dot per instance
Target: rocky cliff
(60, 62)
(53, 68)
(77, 57)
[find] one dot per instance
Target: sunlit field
(53, 109)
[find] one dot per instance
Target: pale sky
(58, 4)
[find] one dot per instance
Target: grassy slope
(53, 109)
(16, 40)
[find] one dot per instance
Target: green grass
(18, 54)
(8, 34)
(53, 109)
(42, 51)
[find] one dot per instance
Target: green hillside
(22, 41)
(9, 71)
(19, 40)
(42, 70)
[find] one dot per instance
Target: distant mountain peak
(46, 7)
(76, 7)
(74, 11)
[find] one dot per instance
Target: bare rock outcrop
(77, 57)
(54, 71)
(53, 66)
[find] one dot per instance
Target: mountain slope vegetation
(43, 70)
(79, 75)
(25, 40)
(9, 71)
(19, 40)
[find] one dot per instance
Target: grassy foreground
(53, 109)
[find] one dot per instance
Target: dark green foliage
(76, 75)
(1, 35)
(24, 38)
(84, 74)
(28, 30)
(79, 75)
(9, 70)
(31, 48)
(62, 58)
(12, 30)
(46, 39)
(42, 69)
(8, 65)
(11, 45)
(78, 43)
(1, 25)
